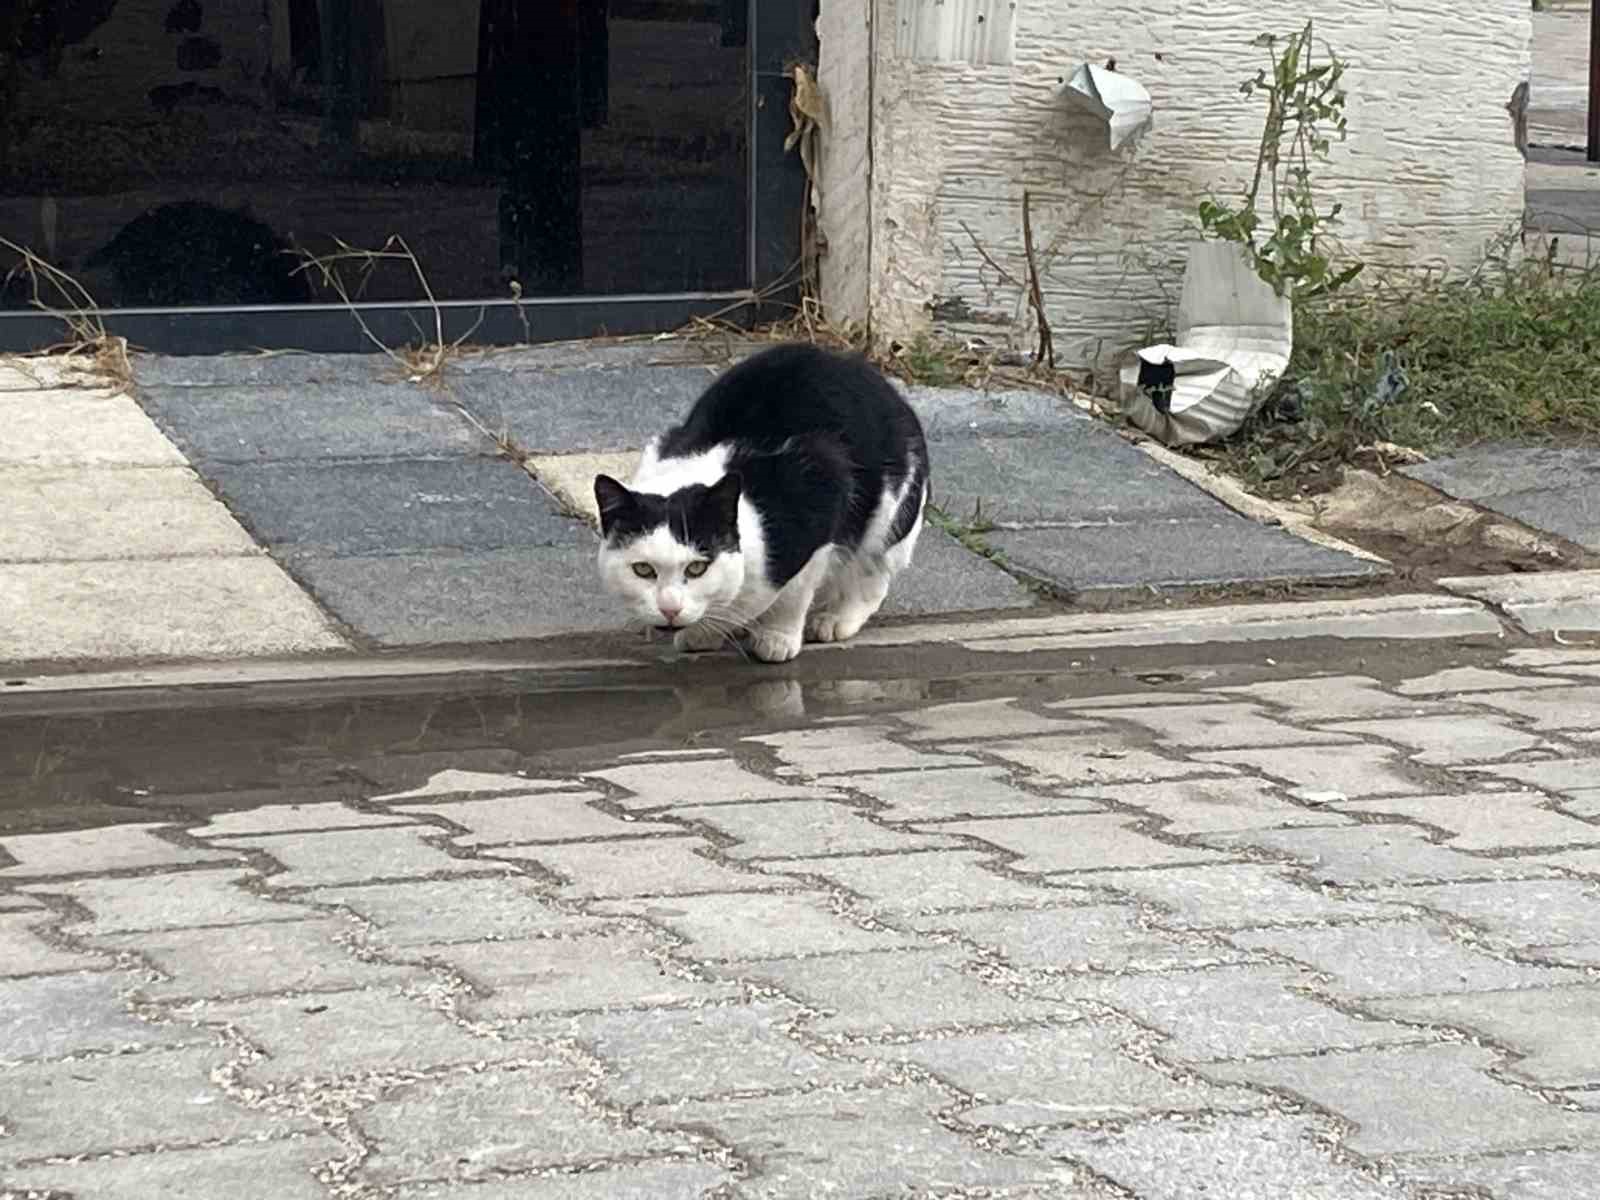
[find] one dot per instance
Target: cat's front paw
(772, 647)
(834, 627)
(697, 638)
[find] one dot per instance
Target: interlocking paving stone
(868, 1142)
(897, 991)
(241, 960)
(473, 1126)
(846, 749)
(930, 881)
(1352, 771)
(632, 1181)
(1455, 681)
(356, 856)
(1448, 740)
(1046, 1076)
(1239, 895)
(1555, 775)
(291, 818)
(636, 867)
(668, 784)
(1100, 937)
(1082, 759)
(1523, 1175)
(24, 950)
(87, 851)
(1518, 912)
(1244, 1011)
(971, 719)
(738, 1048)
(954, 793)
(1479, 821)
(1077, 842)
(466, 908)
(1576, 708)
(1215, 805)
(1398, 960)
(1420, 1100)
(51, 1016)
(755, 925)
(1554, 1031)
(803, 829)
(125, 1101)
(1369, 854)
(451, 782)
(283, 1169)
(1330, 697)
(329, 1035)
(1242, 1157)
(1222, 726)
(540, 817)
(534, 976)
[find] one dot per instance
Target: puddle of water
(190, 754)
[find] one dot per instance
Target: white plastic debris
(1234, 338)
(1118, 101)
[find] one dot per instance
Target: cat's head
(671, 558)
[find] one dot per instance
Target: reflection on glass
(173, 152)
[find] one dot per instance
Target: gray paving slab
(330, 420)
(1553, 489)
(438, 599)
(945, 577)
(1171, 553)
(372, 508)
(559, 411)
(963, 412)
(251, 370)
(1076, 472)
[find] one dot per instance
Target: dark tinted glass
(169, 152)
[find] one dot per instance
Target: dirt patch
(1428, 535)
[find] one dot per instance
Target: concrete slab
(71, 427)
(946, 577)
(571, 477)
(488, 596)
(334, 419)
(1556, 490)
(1167, 553)
(290, 368)
(79, 514)
(1079, 472)
(1541, 603)
(562, 411)
(174, 608)
(375, 508)
(966, 412)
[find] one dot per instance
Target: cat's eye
(696, 569)
(644, 570)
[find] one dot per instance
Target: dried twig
(74, 307)
(1046, 350)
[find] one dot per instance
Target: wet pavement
(1297, 919)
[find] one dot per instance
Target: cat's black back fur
(817, 437)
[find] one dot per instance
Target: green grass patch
(1511, 354)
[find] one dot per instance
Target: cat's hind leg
(776, 635)
(858, 587)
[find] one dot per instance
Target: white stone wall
(965, 119)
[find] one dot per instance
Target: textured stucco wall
(1428, 176)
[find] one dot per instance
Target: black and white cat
(780, 509)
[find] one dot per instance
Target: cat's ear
(723, 498)
(612, 499)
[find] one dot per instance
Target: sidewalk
(1245, 929)
(281, 504)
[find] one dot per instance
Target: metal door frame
(781, 32)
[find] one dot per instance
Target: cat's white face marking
(664, 582)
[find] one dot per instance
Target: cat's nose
(670, 611)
